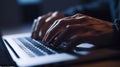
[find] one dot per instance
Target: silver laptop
(26, 51)
(29, 52)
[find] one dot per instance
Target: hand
(77, 29)
(52, 28)
(82, 33)
(58, 26)
(42, 23)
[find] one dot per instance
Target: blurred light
(82, 52)
(28, 2)
(85, 45)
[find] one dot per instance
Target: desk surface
(107, 63)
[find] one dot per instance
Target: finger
(38, 25)
(77, 15)
(33, 35)
(60, 25)
(83, 33)
(70, 31)
(49, 21)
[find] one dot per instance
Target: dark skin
(42, 23)
(58, 27)
(73, 30)
(38, 24)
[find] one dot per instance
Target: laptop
(26, 51)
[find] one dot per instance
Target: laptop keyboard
(33, 47)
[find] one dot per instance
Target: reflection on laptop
(57, 39)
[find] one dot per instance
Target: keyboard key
(41, 46)
(30, 47)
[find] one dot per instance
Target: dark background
(14, 13)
